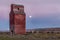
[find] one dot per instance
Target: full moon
(30, 16)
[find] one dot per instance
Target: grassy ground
(31, 36)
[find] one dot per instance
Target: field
(31, 36)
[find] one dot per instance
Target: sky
(39, 13)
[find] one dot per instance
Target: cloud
(35, 8)
(4, 12)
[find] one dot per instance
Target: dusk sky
(39, 13)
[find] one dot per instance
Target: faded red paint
(17, 19)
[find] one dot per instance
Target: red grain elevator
(17, 19)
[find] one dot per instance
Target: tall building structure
(17, 19)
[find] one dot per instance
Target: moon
(30, 16)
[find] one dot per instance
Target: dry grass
(31, 36)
